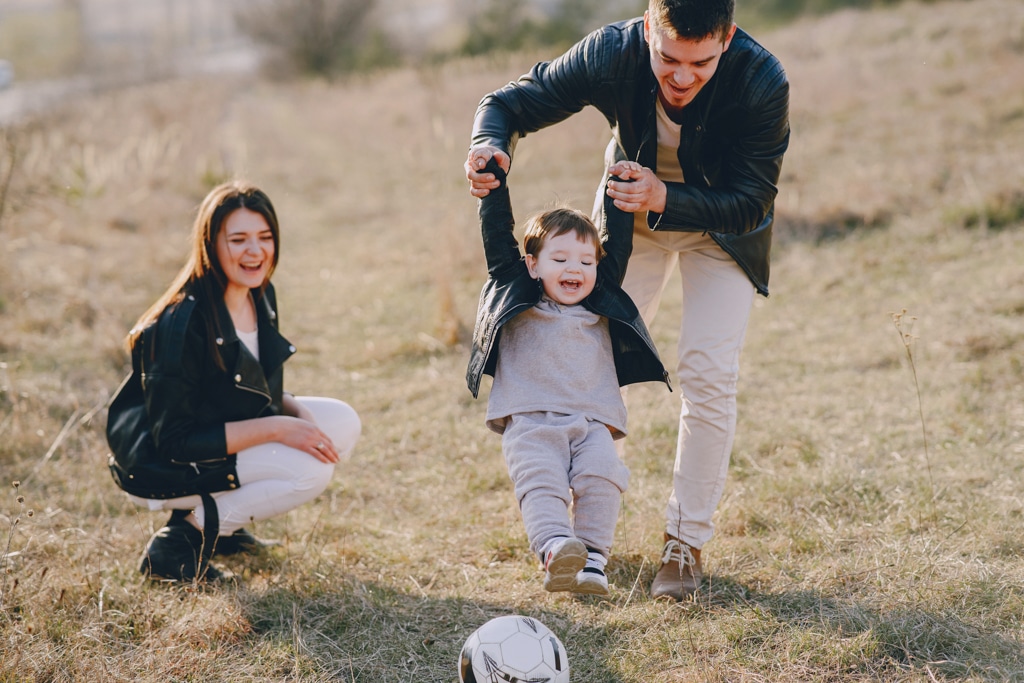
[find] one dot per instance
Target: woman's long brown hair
(203, 271)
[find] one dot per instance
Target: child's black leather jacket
(510, 290)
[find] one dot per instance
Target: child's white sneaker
(591, 580)
(563, 560)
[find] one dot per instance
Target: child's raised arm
(497, 224)
(617, 235)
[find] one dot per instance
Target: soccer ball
(513, 649)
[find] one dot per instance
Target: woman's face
(245, 249)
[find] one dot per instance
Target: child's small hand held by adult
(482, 183)
(644, 191)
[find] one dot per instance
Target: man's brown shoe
(680, 573)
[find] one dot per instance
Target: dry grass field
(872, 525)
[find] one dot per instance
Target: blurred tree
(501, 26)
(509, 25)
(322, 37)
(781, 11)
(571, 20)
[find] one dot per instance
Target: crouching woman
(202, 426)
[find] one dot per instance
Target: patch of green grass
(997, 212)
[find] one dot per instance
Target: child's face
(566, 266)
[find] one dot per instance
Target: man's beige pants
(717, 297)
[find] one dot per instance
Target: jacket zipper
(257, 392)
(650, 347)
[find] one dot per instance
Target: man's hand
(481, 184)
(646, 192)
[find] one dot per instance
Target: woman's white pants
(275, 478)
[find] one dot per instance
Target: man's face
(682, 67)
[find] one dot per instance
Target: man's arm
(551, 92)
(536, 100)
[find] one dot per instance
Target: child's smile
(567, 267)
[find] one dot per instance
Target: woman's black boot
(176, 553)
(242, 541)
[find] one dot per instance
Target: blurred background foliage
(317, 37)
(139, 40)
(760, 13)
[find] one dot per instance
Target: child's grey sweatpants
(555, 460)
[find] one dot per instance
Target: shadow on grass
(342, 628)
(362, 631)
(872, 641)
(832, 633)
(831, 226)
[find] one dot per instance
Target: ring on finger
(320, 446)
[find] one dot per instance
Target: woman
(202, 426)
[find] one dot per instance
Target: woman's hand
(297, 430)
(321, 448)
(646, 192)
(303, 434)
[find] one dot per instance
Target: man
(705, 110)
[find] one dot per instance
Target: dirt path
(24, 99)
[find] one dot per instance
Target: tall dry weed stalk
(904, 326)
(5, 567)
(11, 152)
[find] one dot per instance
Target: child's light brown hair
(555, 222)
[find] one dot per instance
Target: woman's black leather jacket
(732, 141)
(173, 407)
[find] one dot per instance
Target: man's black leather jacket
(733, 135)
(510, 290)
